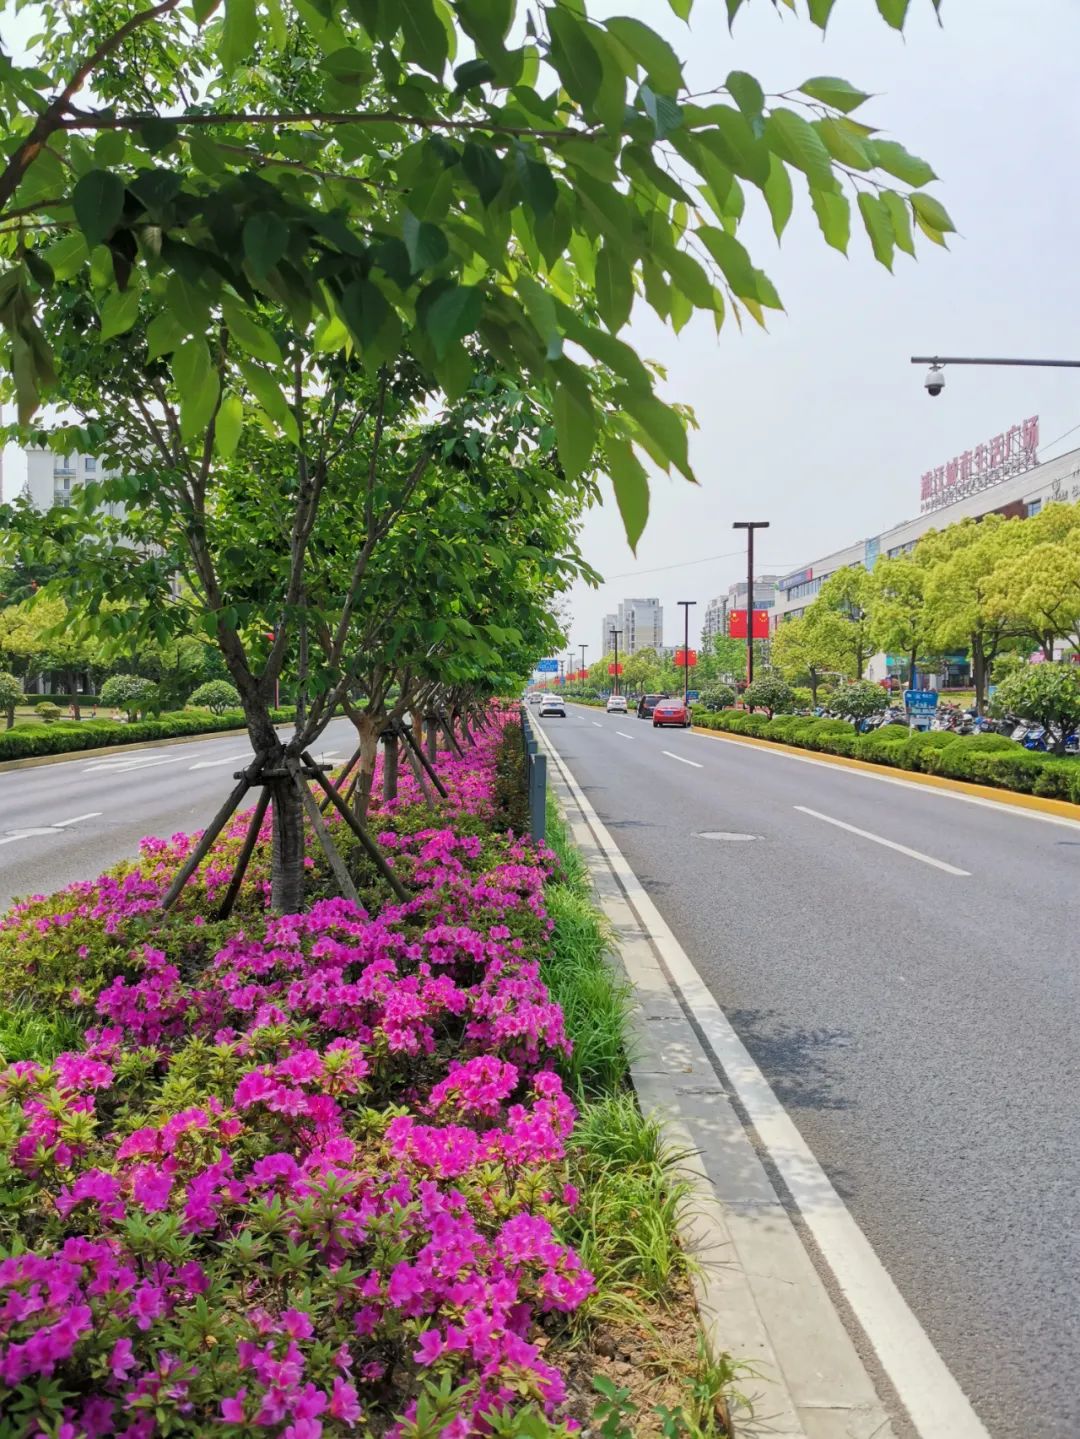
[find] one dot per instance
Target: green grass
(26, 1033)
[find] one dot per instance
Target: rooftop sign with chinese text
(1010, 453)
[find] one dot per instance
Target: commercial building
(1002, 477)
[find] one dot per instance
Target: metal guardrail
(535, 778)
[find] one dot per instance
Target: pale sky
(822, 426)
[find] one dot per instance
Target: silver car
(552, 705)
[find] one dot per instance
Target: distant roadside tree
(10, 694)
(771, 694)
(858, 701)
(215, 696)
(130, 693)
(1046, 694)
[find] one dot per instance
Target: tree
(40, 634)
(805, 652)
(1036, 584)
(858, 701)
(1047, 694)
(718, 697)
(899, 621)
(131, 693)
(962, 607)
(10, 695)
(841, 616)
(217, 696)
(643, 672)
(771, 694)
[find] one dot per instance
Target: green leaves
(426, 243)
(574, 56)
(575, 421)
(485, 169)
(931, 217)
(163, 334)
(747, 94)
(426, 40)
(778, 196)
(197, 381)
(893, 12)
(229, 425)
(746, 282)
(631, 485)
(614, 287)
(248, 335)
(119, 312)
(98, 199)
(830, 90)
(662, 111)
(239, 32)
(878, 227)
(536, 182)
(265, 238)
(661, 65)
(796, 141)
(833, 215)
(365, 309)
(895, 160)
(452, 316)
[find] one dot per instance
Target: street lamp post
(562, 675)
(616, 634)
(583, 648)
(750, 526)
(686, 648)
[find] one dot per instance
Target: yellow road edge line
(1061, 807)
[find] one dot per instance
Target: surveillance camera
(935, 380)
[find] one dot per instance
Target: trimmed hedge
(30, 741)
(985, 759)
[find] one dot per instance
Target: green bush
(770, 693)
(717, 697)
(1058, 778)
(909, 754)
(782, 727)
(880, 745)
(1020, 772)
(818, 733)
(955, 760)
(130, 693)
(217, 696)
(34, 740)
(47, 711)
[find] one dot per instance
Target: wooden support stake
(448, 731)
(329, 849)
(418, 773)
(362, 835)
(432, 772)
(250, 841)
(216, 825)
(389, 741)
(324, 804)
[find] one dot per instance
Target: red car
(673, 711)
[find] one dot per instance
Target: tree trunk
(978, 673)
(814, 682)
(287, 862)
(10, 712)
(368, 729)
(912, 676)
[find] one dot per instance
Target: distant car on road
(552, 705)
(646, 705)
(671, 712)
(616, 705)
(535, 697)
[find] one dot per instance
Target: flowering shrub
(294, 1173)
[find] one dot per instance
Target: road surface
(904, 966)
(70, 820)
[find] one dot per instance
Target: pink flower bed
(274, 1195)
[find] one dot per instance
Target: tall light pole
(686, 648)
(750, 526)
(562, 676)
(616, 634)
(583, 648)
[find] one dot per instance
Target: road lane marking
(681, 760)
(624, 734)
(213, 763)
(598, 724)
(63, 823)
(888, 843)
(938, 1407)
(999, 806)
(151, 764)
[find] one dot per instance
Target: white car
(552, 705)
(535, 697)
(616, 705)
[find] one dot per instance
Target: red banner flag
(737, 624)
(614, 669)
(685, 659)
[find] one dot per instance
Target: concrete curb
(759, 1295)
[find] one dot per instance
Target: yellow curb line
(1061, 807)
(33, 761)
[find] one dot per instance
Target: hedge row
(30, 741)
(985, 759)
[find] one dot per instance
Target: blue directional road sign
(548, 667)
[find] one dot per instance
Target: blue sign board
(548, 667)
(921, 704)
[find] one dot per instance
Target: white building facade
(1018, 495)
(642, 625)
(52, 479)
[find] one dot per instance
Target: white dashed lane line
(888, 843)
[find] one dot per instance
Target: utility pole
(686, 648)
(583, 648)
(562, 675)
(616, 634)
(750, 526)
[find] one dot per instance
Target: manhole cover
(724, 834)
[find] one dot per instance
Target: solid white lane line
(213, 763)
(888, 843)
(910, 785)
(938, 1407)
(624, 734)
(681, 760)
(63, 823)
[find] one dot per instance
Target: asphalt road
(72, 819)
(904, 966)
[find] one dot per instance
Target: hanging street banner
(737, 624)
(684, 659)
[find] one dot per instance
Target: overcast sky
(822, 426)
